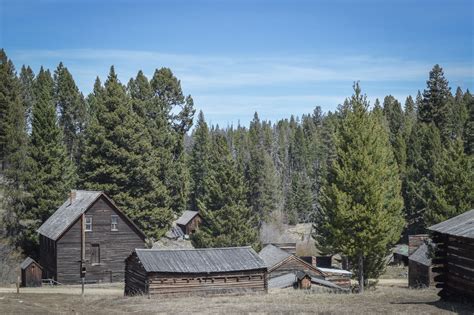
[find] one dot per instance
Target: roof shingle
(461, 225)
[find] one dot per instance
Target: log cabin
(155, 272)
(31, 273)
(87, 231)
(454, 256)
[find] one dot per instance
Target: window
(114, 223)
(95, 254)
(88, 223)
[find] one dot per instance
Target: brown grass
(389, 297)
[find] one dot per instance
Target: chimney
(72, 196)
(415, 241)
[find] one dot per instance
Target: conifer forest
(365, 175)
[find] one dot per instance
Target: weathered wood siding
(48, 257)
(293, 265)
(214, 283)
(136, 281)
(31, 276)
(114, 246)
(454, 262)
(419, 275)
(344, 281)
(192, 226)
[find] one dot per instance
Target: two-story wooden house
(89, 231)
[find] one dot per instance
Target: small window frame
(88, 223)
(114, 225)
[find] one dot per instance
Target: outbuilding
(419, 268)
(31, 273)
(454, 256)
(189, 222)
(199, 271)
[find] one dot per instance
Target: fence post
(18, 285)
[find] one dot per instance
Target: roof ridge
(190, 249)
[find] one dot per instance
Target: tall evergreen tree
(27, 81)
(260, 173)
(71, 108)
(435, 106)
(14, 174)
(52, 174)
(361, 204)
(199, 160)
(227, 219)
(119, 159)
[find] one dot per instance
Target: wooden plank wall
(48, 257)
(419, 275)
(217, 283)
(455, 263)
(115, 247)
(135, 277)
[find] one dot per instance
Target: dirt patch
(387, 298)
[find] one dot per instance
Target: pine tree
(119, 160)
(423, 151)
(71, 108)
(435, 106)
(469, 125)
(392, 110)
(227, 219)
(199, 160)
(260, 173)
(14, 175)
(361, 204)
(27, 81)
(171, 129)
(51, 173)
(454, 187)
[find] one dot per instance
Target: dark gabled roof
(28, 261)
(272, 255)
(461, 225)
(68, 213)
(420, 255)
(186, 217)
(202, 260)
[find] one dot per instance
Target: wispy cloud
(232, 87)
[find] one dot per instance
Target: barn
(454, 256)
(31, 273)
(198, 271)
(87, 232)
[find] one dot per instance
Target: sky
(278, 58)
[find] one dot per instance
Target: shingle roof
(67, 214)
(461, 225)
(272, 255)
(175, 232)
(28, 261)
(202, 260)
(420, 255)
(187, 216)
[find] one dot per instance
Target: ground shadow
(452, 306)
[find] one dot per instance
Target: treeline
(134, 142)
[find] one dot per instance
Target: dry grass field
(390, 297)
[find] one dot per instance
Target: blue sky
(237, 57)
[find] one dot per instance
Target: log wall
(454, 262)
(214, 283)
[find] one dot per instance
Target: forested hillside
(390, 168)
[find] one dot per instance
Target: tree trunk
(361, 274)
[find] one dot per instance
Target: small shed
(400, 255)
(419, 268)
(304, 280)
(31, 273)
(189, 221)
(454, 256)
(199, 271)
